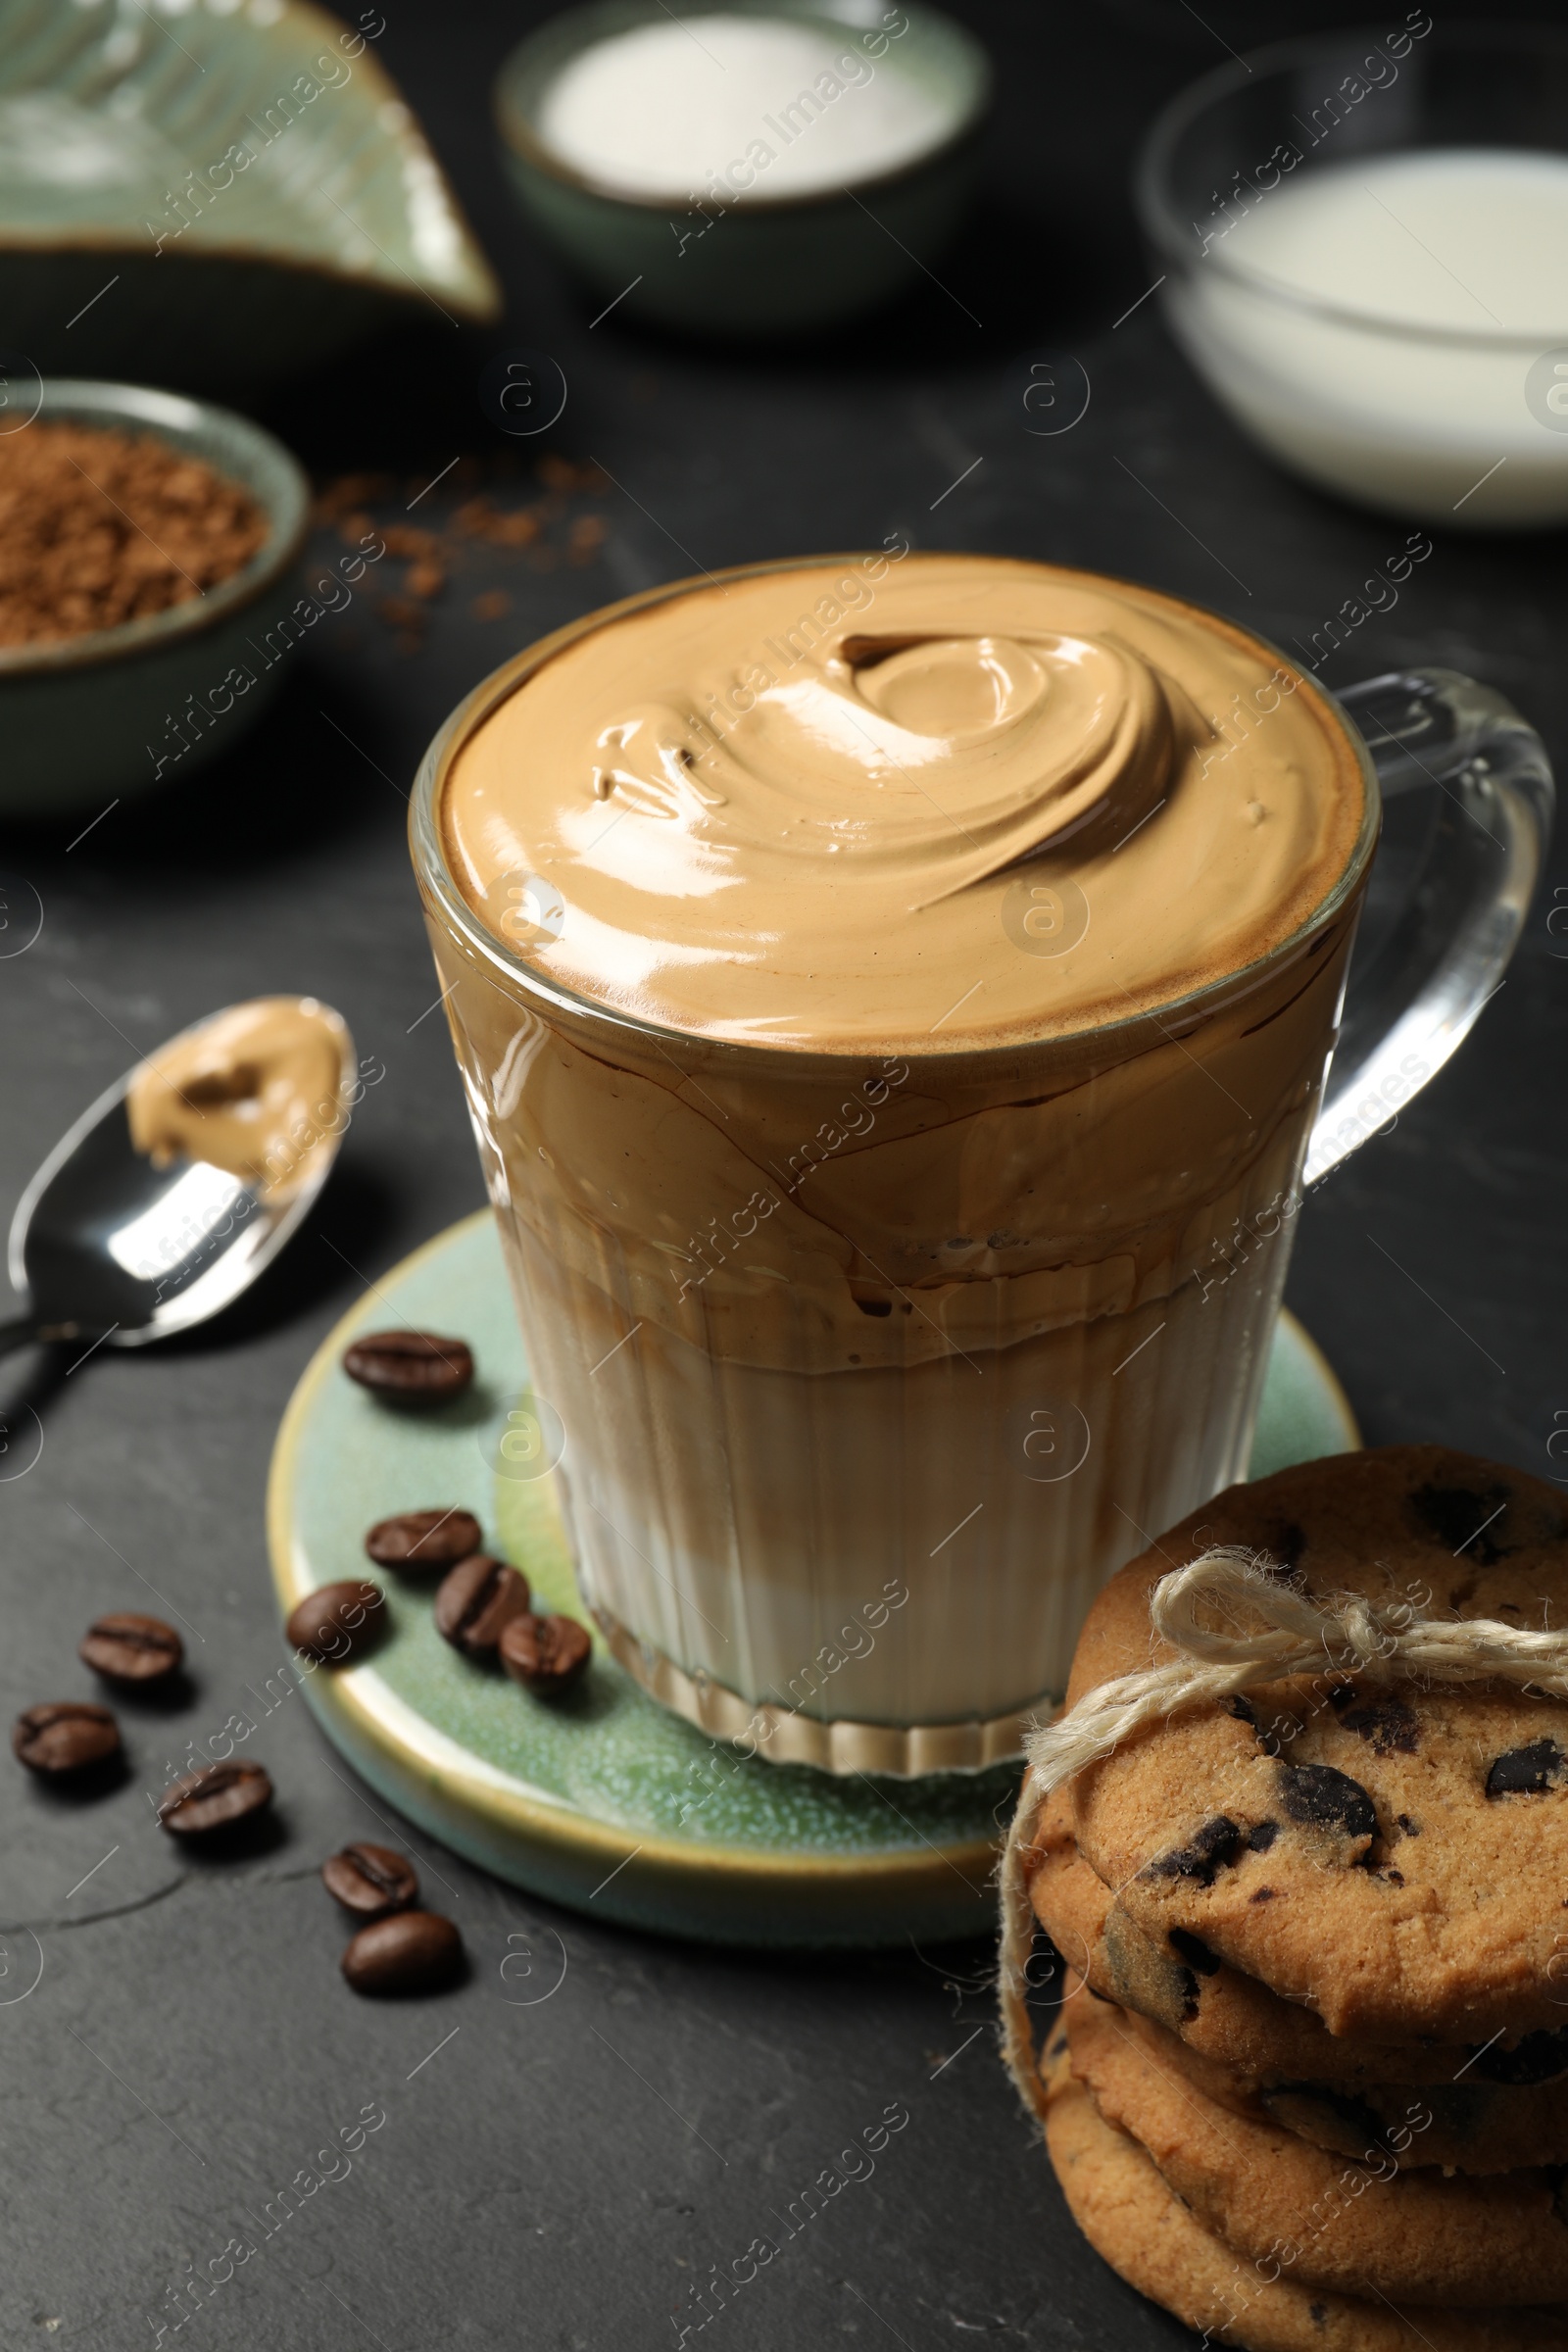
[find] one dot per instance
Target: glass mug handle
(1451, 945)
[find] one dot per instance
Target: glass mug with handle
(872, 1345)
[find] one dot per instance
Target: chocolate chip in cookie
(1528, 1771)
(1205, 1855)
(1321, 1796)
(1195, 1951)
(1472, 1520)
(1535, 2058)
(1142, 1975)
(1280, 1547)
(1389, 1726)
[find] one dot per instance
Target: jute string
(1238, 1625)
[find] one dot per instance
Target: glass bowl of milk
(1364, 245)
(744, 168)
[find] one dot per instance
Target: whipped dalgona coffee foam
(884, 1213)
(797, 808)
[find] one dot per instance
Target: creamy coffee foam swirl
(934, 762)
(946, 801)
(971, 1274)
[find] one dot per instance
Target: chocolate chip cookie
(1465, 2126)
(1132, 2217)
(1376, 1851)
(1460, 2125)
(1359, 2228)
(1229, 2018)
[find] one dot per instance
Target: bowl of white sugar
(1361, 241)
(752, 168)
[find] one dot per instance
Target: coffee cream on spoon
(257, 1091)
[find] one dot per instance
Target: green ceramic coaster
(604, 1801)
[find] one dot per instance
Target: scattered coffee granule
(426, 574)
(481, 518)
(447, 547)
(401, 539)
(563, 473)
(335, 499)
(98, 528)
(404, 614)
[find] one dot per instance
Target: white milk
(763, 105)
(1436, 393)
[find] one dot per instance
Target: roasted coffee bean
(412, 1951)
(336, 1622)
(546, 1655)
(475, 1600)
(371, 1879)
(424, 1539)
(1326, 1799)
(127, 1648)
(67, 1735)
(414, 1366)
(1528, 1771)
(216, 1797)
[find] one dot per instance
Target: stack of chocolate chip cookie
(1309, 2086)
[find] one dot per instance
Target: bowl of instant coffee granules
(147, 603)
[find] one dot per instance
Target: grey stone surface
(562, 2169)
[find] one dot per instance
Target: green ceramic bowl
(769, 266)
(87, 719)
(214, 193)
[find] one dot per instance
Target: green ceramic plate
(607, 1802)
(212, 193)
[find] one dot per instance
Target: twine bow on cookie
(1276, 1630)
(1268, 1631)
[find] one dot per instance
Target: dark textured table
(564, 2168)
